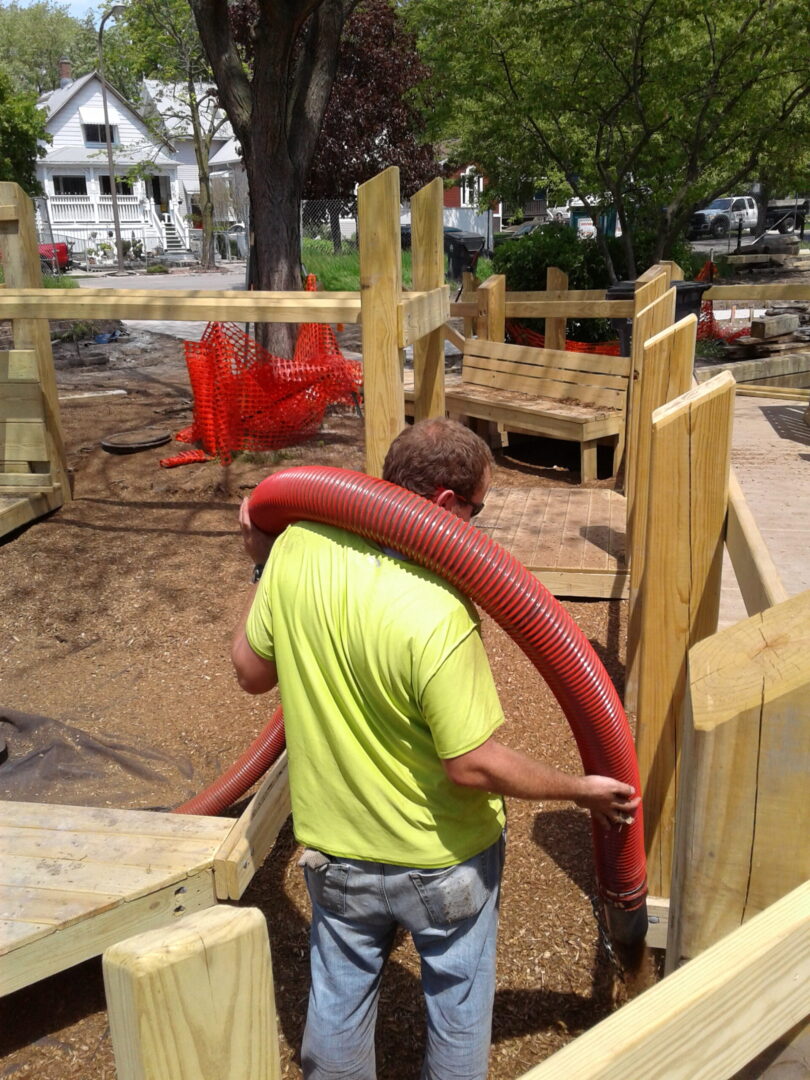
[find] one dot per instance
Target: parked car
(723, 216)
(54, 258)
(471, 241)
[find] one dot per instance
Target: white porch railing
(67, 209)
(129, 208)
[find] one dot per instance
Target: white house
(76, 178)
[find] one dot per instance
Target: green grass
(51, 281)
(341, 273)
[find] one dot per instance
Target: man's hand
(611, 802)
(257, 543)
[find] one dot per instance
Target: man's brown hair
(435, 454)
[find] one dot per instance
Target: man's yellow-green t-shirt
(382, 674)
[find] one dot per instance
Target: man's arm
(494, 767)
(255, 674)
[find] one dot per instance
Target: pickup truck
(723, 216)
(727, 214)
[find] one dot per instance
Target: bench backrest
(586, 378)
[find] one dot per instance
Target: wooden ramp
(572, 539)
(77, 879)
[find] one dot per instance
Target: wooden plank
(21, 401)
(478, 365)
(16, 512)
(743, 815)
(712, 1016)
(584, 584)
(454, 337)
(570, 309)
(491, 309)
(88, 937)
(580, 362)
(757, 576)
(195, 1001)
(761, 291)
(8, 212)
(15, 934)
(23, 439)
(427, 268)
(666, 366)
(556, 280)
(556, 386)
(555, 294)
(380, 290)
(247, 845)
(655, 271)
(104, 819)
(421, 313)
(680, 593)
(18, 365)
(530, 418)
(76, 876)
(23, 904)
(19, 254)
(183, 304)
(180, 853)
(18, 482)
(784, 393)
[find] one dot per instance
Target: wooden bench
(574, 396)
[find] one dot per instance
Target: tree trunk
(207, 260)
(275, 193)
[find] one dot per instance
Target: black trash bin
(622, 290)
(688, 295)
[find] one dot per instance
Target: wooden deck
(572, 539)
(76, 879)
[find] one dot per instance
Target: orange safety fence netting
(247, 399)
(708, 327)
(522, 335)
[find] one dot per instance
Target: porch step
(174, 244)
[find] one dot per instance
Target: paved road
(230, 276)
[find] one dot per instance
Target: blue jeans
(452, 915)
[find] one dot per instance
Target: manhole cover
(130, 442)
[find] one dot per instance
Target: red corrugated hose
(481, 569)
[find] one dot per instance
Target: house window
(94, 134)
(69, 185)
(122, 186)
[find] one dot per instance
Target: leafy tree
(159, 40)
(641, 105)
(22, 127)
(34, 39)
(370, 121)
(276, 108)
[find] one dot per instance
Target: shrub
(157, 268)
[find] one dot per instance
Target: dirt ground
(114, 630)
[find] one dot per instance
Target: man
(396, 779)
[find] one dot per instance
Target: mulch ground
(115, 622)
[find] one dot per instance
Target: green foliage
(525, 261)
(34, 39)
(341, 273)
(22, 126)
(157, 268)
(642, 106)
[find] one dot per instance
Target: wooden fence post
(654, 312)
(666, 371)
(427, 262)
(680, 591)
(194, 1001)
(556, 281)
(712, 1017)
(492, 308)
(743, 821)
(380, 292)
(19, 254)
(469, 287)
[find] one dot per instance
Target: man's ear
(444, 498)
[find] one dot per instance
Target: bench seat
(576, 397)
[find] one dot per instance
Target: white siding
(66, 126)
